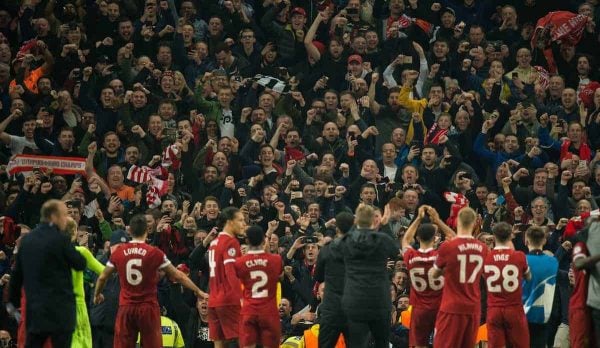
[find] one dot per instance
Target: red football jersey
(426, 291)
(259, 272)
(137, 264)
(504, 269)
(579, 296)
(462, 261)
(224, 284)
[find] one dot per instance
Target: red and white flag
(156, 186)
(169, 158)
(58, 165)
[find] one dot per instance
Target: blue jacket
(497, 158)
(538, 293)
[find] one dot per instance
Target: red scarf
(585, 153)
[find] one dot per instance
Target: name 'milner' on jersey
(137, 264)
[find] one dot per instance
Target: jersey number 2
(132, 272)
(260, 279)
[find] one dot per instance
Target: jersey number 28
(510, 278)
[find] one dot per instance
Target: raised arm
(91, 262)
(177, 276)
(5, 137)
(373, 104)
(409, 235)
(311, 49)
(436, 220)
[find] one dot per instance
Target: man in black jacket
(43, 267)
(104, 315)
(330, 269)
(366, 300)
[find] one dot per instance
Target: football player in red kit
(426, 292)
(504, 271)
(137, 265)
(259, 272)
(580, 317)
(225, 290)
(461, 262)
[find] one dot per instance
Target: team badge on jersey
(231, 252)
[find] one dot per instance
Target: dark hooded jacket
(367, 286)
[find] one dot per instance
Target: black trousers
(59, 339)
(329, 332)
(359, 332)
(103, 337)
(538, 335)
(596, 322)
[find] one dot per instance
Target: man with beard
(112, 154)
(132, 155)
(17, 144)
(299, 278)
(208, 185)
(255, 216)
(194, 320)
(125, 32)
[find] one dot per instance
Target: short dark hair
(344, 221)
(367, 185)
(536, 235)
(138, 225)
(255, 235)
(426, 232)
(502, 231)
(227, 214)
(222, 47)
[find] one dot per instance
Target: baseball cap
(320, 46)
(449, 10)
(355, 58)
(103, 59)
(118, 237)
(298, 10)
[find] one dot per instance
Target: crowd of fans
(295, 111)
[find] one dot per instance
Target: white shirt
(390, 172)
(226, 124)
(18, 144)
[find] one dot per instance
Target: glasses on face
(539, 207)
